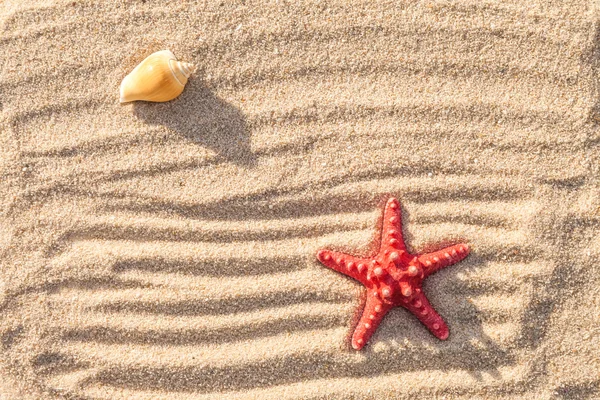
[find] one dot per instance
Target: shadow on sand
(203, 118)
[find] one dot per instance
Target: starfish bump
(394, 277)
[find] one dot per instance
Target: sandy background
(167, 251)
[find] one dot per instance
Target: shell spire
(159, 77)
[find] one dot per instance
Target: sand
(167, 251)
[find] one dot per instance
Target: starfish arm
(354, 267)
(372, 315)
(419, 306)
(391, 234)
(433, 262)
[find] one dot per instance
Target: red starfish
(394, 277)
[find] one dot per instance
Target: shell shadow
(204, 119)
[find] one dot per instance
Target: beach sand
(167, 251)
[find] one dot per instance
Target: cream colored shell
(160, 77)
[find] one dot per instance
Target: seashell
(160, 77)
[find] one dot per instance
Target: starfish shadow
(203, 118)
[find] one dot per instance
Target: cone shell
(160, 77)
